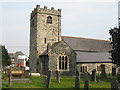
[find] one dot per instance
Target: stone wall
(91, 66)
(42, 64)
(55, 51)
(42, 33)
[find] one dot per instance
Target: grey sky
(81, 19)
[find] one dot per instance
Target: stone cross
(48, 79)
(93, 75)
(58, 76)
(77, 79)
(114, 85)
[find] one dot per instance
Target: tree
(115, 52)
(5, 56)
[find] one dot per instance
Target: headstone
(58, 76)
(48, 79)
(113, 71)
(86, 84)
(118, 74)
(85, 76)
(119, 69)
(77, 79)
(114, 85)
(45, 80)
(86, 81)
(93, 75)
(103, 73)
(10, 79)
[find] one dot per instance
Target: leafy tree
(5, 56)
(115, 52)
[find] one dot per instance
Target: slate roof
(85, 44)
(88, 50)
(90, 57)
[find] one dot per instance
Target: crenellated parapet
(45, 10)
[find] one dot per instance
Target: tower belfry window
(45, 41)
(33, 23)
(49, 20)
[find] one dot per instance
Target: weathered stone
(118, 75)
(10, 79)
(45, 80)
(77, 79)
(114, 85)
(114, 71)
(86, 81)
(42, 32)
(86, 84)
(58, 76)
(48, 79)
(85, 76)
(93, 77)
(103, 73)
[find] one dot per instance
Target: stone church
(50, 51)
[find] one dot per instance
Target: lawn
(66, 82)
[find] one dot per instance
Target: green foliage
(5, 56)
(115, 52)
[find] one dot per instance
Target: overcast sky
(79, 18)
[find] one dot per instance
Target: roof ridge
(85, 38)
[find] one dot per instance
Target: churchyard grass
(65, 82)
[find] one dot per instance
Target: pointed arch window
(63, 62)
(83, 69)
(49, 20)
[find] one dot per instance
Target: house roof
(11, 55)
(89, 57)
(85, 44)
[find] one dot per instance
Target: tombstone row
(48, 78)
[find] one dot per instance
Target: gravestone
(85, 76)
(103, 73)
(114, 71)
(118, 75)
(86, 82)
(58, 76)
(48, 79)
(114, 85)
(77, 79)
(45, 80)
(93, 75)
(10, 79)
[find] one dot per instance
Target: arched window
(83, 69)
(49, 20)
(63, 62)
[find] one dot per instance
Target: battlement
(45, 10)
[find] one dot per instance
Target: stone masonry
(42, 33)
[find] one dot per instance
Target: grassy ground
(66, 82)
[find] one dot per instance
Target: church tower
(45, 27)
